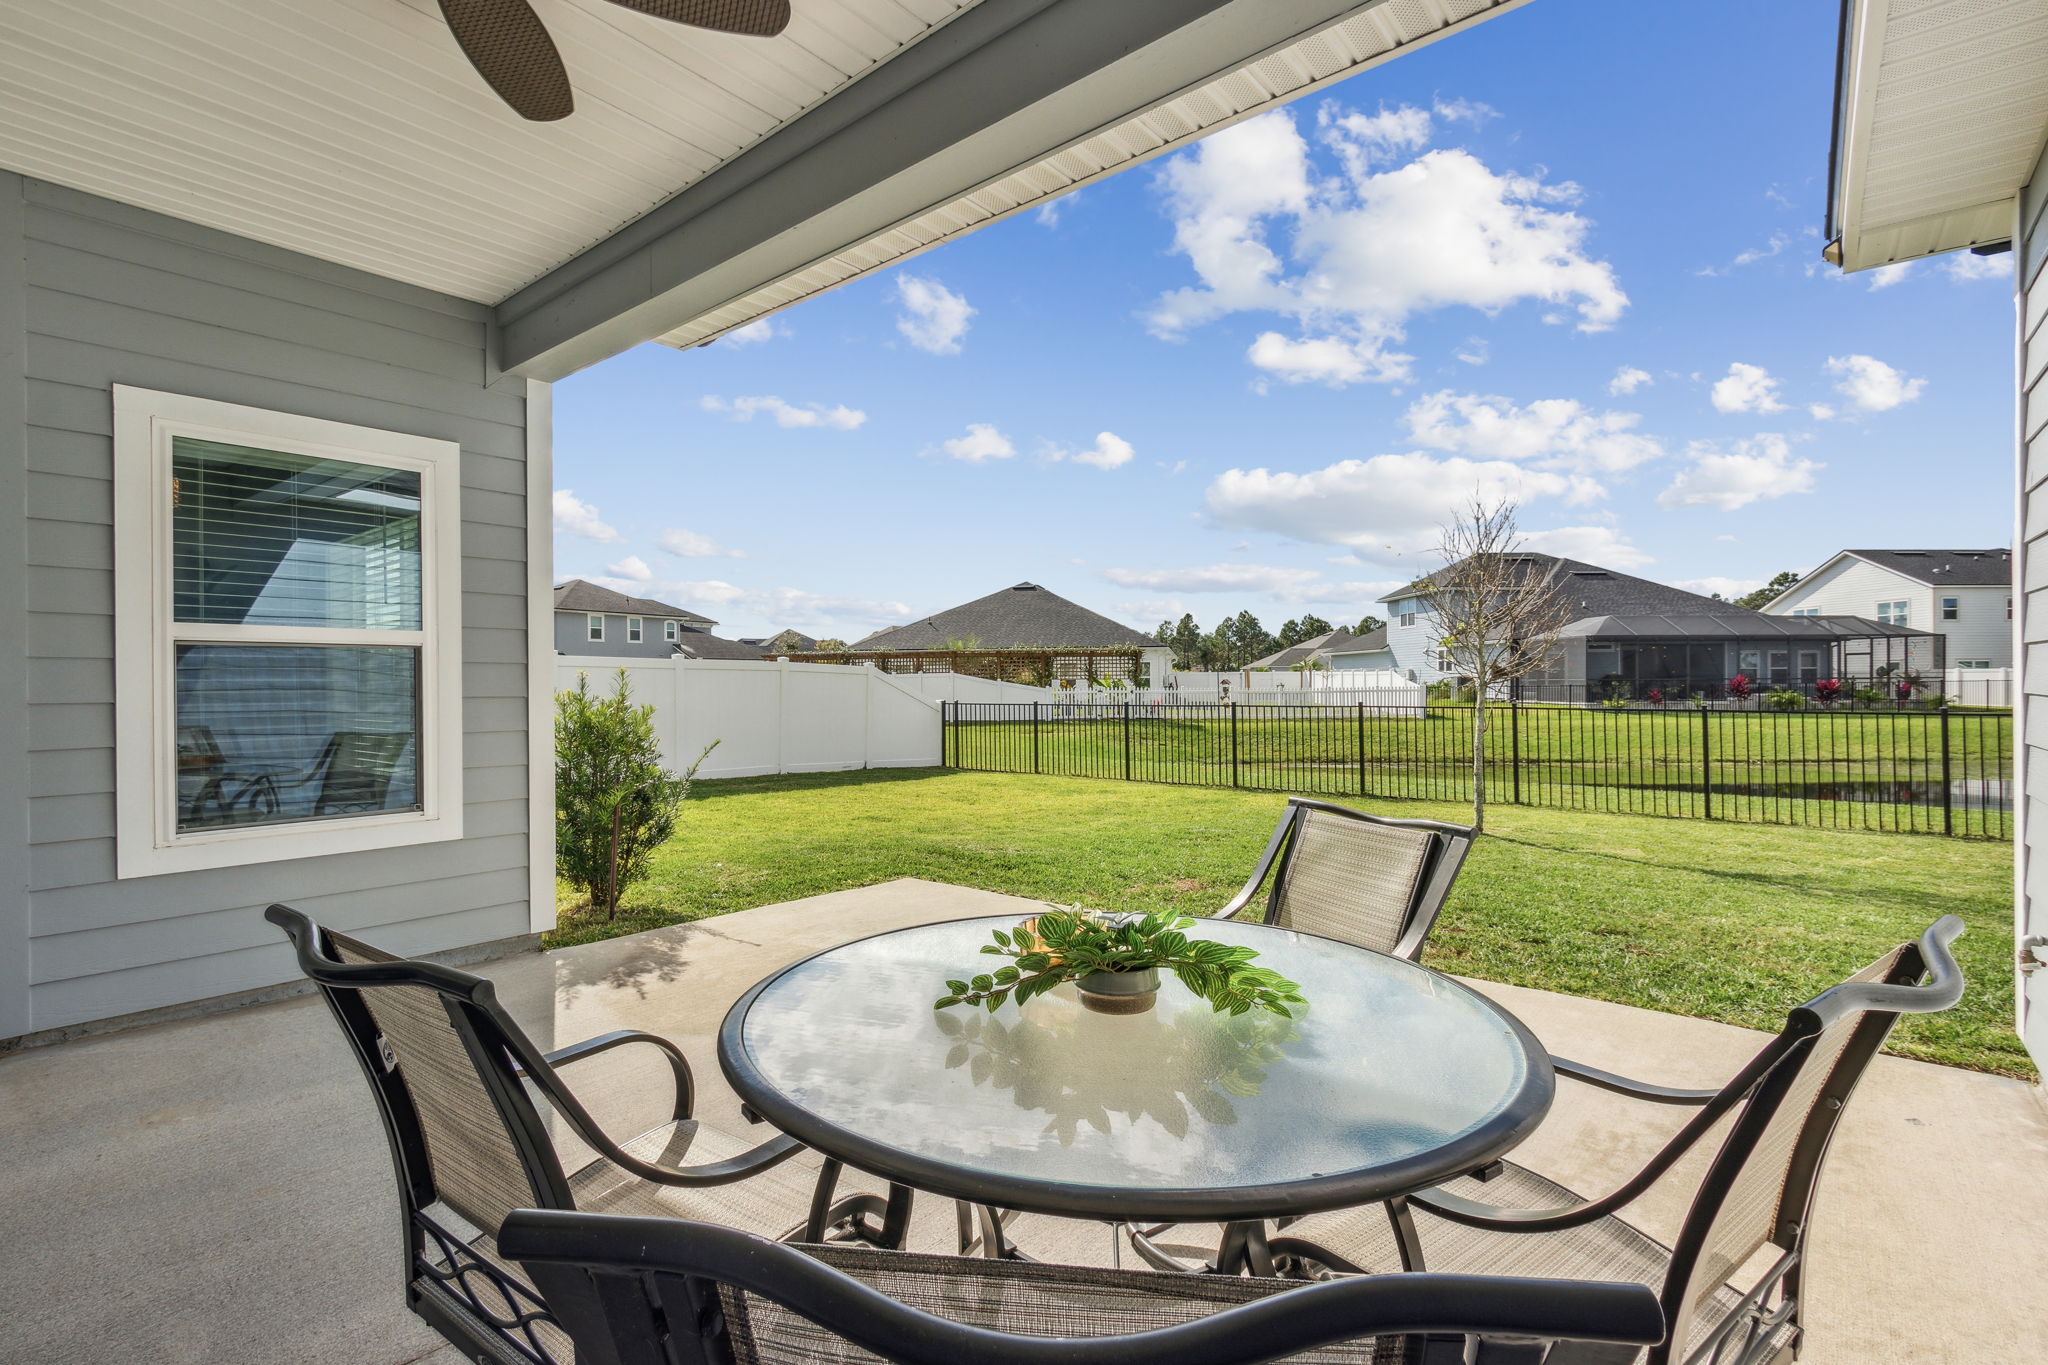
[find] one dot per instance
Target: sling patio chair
(635, 1291)
(1371, 880)
(1758, 1190)
(456, 1081)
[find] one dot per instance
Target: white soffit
(356, 131)
(1366, 39)
(1943, 108)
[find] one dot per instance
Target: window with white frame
(668, 630)
(288, 635)
(1407, 618)
(634, 630)
(1951, 608)
(593, 625)
(1973, 663)
(1891, 613)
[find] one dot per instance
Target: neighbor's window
(1407, 618)
(1891, 613)
(593, 625)
(1973, 663)
(633, 630)
(1951, 608)
(289, 676)
(668, 630)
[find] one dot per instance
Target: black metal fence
(1927, 771)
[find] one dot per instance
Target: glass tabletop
(1392, 1077)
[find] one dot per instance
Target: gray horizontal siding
(2032, 249)
(108, 294)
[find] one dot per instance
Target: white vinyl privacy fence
(1379, 690)
(773, 717)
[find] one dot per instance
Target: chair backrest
(1759, 1188)
(356, 768)
(1367, 879)
(445, 1063)
(642, 1291)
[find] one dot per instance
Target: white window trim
(636, 630)
(668, 630)
(1951, 608)
(593, 627)
(148, 842)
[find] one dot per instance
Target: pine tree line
(1240, 639)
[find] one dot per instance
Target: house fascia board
(996, 89)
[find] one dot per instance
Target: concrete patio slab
(216, 1190)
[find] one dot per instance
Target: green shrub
(614, 802)
(1868, 696)
(1785, 699)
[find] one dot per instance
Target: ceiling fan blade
(752, 18)
(510, 48)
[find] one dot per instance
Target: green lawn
(1768, 766)
(1723, 921)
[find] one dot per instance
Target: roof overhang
(704, 180)
(1941, 109)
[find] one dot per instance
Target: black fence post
(1127, 741)
(1233, 742)
(1948, 798)
(1706, 765)
(1515, 747)
(1361, 748)
(1036, 707)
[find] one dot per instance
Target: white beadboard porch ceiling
(1366, 39)
(355, 130)
(1943, 108)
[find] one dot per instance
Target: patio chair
(455, 1080)
(1757, 1192)
(634, 1291)
(1367, 879)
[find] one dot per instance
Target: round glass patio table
(1391, 1079)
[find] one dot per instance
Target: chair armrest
(1622, 1085)
(752, 1162)
(1250, 889)
(678, 1064)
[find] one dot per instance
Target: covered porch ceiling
(1941, 107)
(704, 180)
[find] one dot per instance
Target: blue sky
(1571, 256)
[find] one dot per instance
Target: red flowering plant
(1656, 696)
(1828, 691)
(1739, 687)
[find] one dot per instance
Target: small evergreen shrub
(614, 802)
(1785, 699)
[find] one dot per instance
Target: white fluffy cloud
(1110, 451)
(1968, 265)
(1381, 508)
(1263, 578)
(1746, 388)
(777, 607)
(1729, 588)
(981, 444)
(839, 417)
(575, 517)
(690, 545)
(932, 317)
(754, 333)
(1602, 545)
(632, 568)
(1749, 471)
(1871, 384)
(1367, 248)
(1552, 433)
(1885, 276)
(1628, 379)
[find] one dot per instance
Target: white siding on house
(2032, 252)
(1412, 645)
(108, 294)
(1849, 586)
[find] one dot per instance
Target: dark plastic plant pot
(1119, 992)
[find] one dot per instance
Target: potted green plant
(1114, 962)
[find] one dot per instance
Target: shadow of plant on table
(1731, 922)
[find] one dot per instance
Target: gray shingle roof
(1595, 591)
(580, 595)
(702, 644)
(801, 640)
(1024, 617)
(1321, 646)
(1963, 568)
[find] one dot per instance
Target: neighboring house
(1038, 626)
(1628, 635)
(1965, 596)
(786, 642)
(1333, 650)
(592, 619)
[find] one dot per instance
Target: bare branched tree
(1495, 610)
